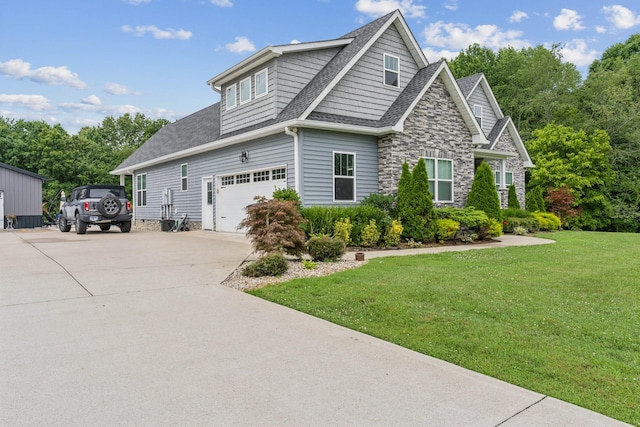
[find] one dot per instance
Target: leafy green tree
(534, 200)
(565, 157)
(483, 194)
(475, 59)
(512, 198)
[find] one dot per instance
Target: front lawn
(562, 320)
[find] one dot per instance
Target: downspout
(296, 155)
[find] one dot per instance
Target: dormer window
(245, 90)
(261, 83)
(231, 96)
(477, 112)
(391, 70)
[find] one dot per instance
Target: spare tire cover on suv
(109, 206)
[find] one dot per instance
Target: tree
(512, 198)
(423, 203)
(483, 194)
(561, 202)
(564, 157)
(534, 200)
(403, 201)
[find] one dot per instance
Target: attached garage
(236, 191)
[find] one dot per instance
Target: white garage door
(237, 191)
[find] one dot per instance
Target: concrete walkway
(133, 329)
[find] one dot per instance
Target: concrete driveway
(134, 329)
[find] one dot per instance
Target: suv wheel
(81, 226)
(125, 226)
(109, 206)
(63, 225)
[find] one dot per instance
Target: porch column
(503, 174)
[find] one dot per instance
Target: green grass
(561, 319)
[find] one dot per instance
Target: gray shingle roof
(23, 171)
(467, 84)
(496, 131)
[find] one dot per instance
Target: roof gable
(468, 85)
(506, 124)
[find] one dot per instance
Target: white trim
(385, 69)
(243, 81)
(334, 176)
(435, 179)
(477, 108)
(266, 83)
(227, 97)
(493, 154)
(142, 191)
(204, 200)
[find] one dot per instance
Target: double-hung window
(141, 189)
(440, 173)
(344, 177)
(391, 70)
(245, 90)
(184, 177)
(230, 94)
(261, 83)
(477, 112)
(508, 179)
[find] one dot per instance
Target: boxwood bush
(325, 248)
(273, 264)
(322, 219)
(469, 218)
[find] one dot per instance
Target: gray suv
(102, 205)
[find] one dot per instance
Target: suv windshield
(101, 192)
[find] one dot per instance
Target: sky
(75, 62)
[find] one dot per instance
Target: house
(333, 119)
(20, 198)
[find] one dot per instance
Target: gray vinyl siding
(255, 111)
(22, 193)
(264, 153)
(361, 92)
(489, 119)
(316, 150)
(295, 70)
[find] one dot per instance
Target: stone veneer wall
(154, 225)
(435, 129)
(514, 165)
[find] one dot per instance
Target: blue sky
(75, 62)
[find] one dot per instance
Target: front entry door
(207, 203)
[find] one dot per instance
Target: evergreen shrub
(274, 264)
(547, 220)
(447, 229)
(483, 194)
(325, 248)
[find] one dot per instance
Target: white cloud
(242, 44)
(600, 29)
(117, 89)
(92, 100)
(518, 16)
(170, 33)
(32, 102)
(568, 20)
(577, 52)
(436, 55)
(621, 17)
(19, 69)
(376, 8)
(454, 36)
(294, 41)
(136, 2)
(451, 5)
(107, 110)
(222, 3)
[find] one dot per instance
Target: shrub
(274, 226)
(342, 230)
(512, 198)
(469, 218)
(492, 229)
(447, 229)
(467, 236)
(414, 205)
(483, 194)
(370, 234)
(413, 244)
(515, 213)
(385, 202)
(534, 202)
(321, 219)
(308, 264)
(547, 220)
(286, 195)
(274, 264)
(511, 223)
(519, 231)
(393, 234)
(561, 202)
(325, 248)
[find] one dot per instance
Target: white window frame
(244, 82)
(141, 193)
(385, 69)
(334, 176)
(507, 181)
(477, 112)
(231, 102)
(436, 180)
(184, 179)
(266, 83)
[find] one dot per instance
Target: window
(209, 193)
(261, 176)
(477, 112)
(245, 90)
(344, 188)
(278, 174)
(391, 70)
(440, 173)
(243, 178)
(261, 83)
(184, 174)
(231, 96)
(227, 180)
(508, 177)
(141, 189)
